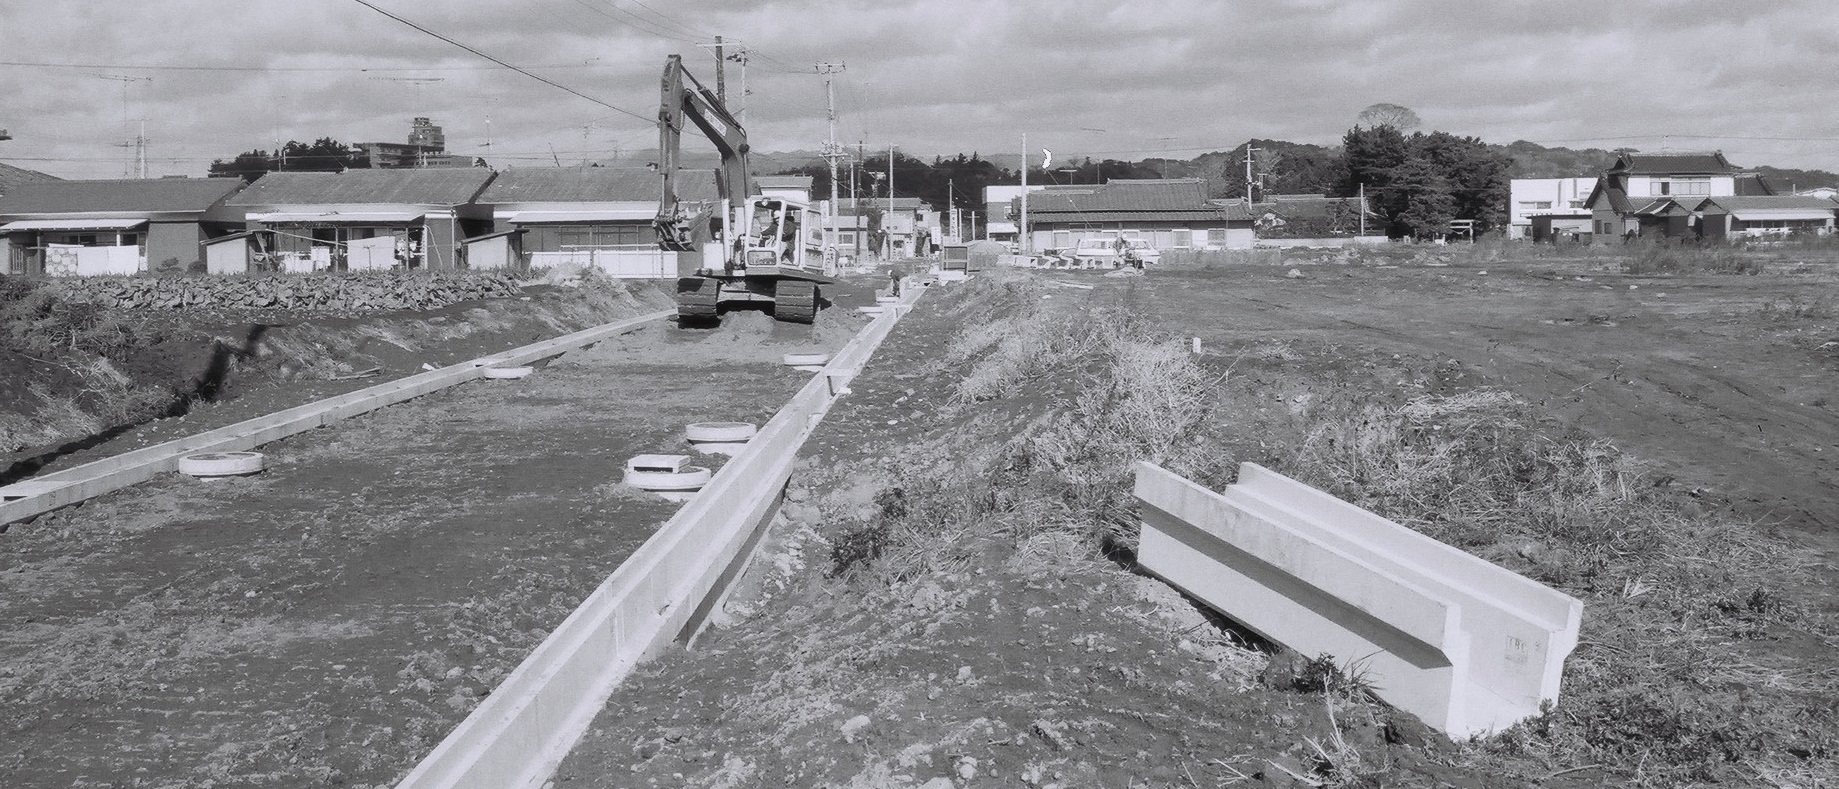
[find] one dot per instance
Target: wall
(1560, 193)
(1161, 235)
(173, 240)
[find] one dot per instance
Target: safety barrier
(1468, 647)
(42, 494)
(517, 736)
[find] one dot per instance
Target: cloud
(1124, 80)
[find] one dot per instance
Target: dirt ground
(1048, 666)
(327, 621)
(1701, 375)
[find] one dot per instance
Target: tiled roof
(445, 186)
(1617, 199)
(1172, 194)
(1671, 163)
(139, 195)
(593, 185)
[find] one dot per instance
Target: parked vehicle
(1106, 253)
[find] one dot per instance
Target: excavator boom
(686, 98)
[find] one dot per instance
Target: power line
(636, 22)
(537, 77)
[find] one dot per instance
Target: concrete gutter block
(1467, 646)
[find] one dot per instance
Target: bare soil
(327, 621)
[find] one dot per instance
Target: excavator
(746, 246)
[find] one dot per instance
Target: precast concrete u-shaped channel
(518, 736)
(334, 615)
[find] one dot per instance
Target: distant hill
(1531, 160)
(11, 177)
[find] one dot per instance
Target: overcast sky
(1124, 80)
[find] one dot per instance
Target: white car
(1103, 253)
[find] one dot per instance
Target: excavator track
(795, 301)
(697, 298)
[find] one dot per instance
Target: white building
(1559, 196)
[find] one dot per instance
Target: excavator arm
(684, 97)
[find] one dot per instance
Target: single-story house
(361, 219)
(113, 227)
(1169, 213)
(586, 216)
(1758, 216)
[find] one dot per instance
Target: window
(1216, 236)
(1684, 185)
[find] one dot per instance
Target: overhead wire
(519, 70)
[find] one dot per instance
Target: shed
(366, 219)
(121, 226)
(1760, 216)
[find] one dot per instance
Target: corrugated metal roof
(442, 186)
(1736, 204)
(136, 195)
(593, 185)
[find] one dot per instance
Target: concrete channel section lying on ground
(39, 495)
(522, 731)
(1465, 645)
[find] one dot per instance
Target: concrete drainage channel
(519, 734)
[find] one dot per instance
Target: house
(1168, 213)
(907, 225)
(1560, 199)
(361, 219)
(1309, 216)
(1654, 194)
(580, 216)
(113, 227)
(789, 187)
(1000, 214)
(1758, 216)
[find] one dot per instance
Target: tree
(322, 155)
(1393, 115)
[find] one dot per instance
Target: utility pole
(1248, 172)
(890, 214)
(721, 73)
(1362, 208)
(1022, 226)
(832, 150)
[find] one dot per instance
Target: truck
(744, 246)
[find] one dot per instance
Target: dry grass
(1666, 680)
